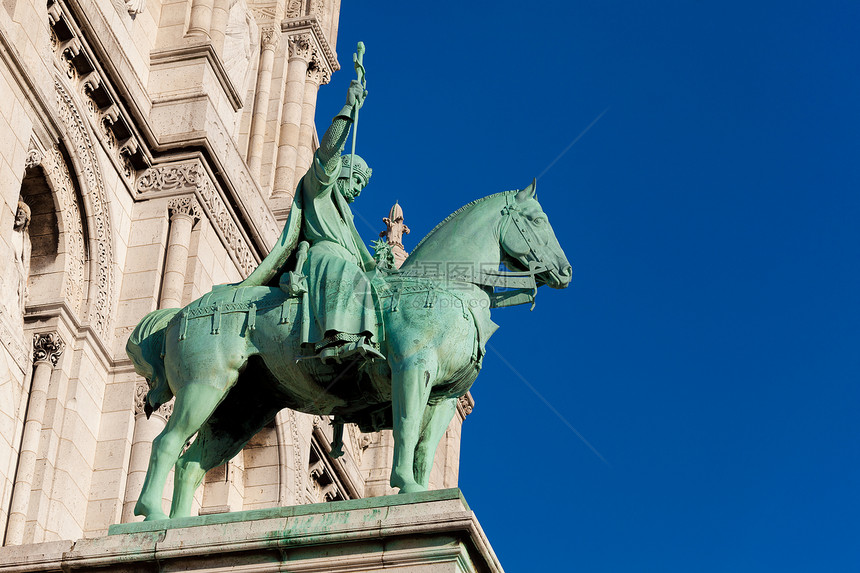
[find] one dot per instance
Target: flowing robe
(340, 293)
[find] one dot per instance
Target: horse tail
(145, 347)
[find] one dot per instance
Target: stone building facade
(148, 150)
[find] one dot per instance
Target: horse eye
(540, 221)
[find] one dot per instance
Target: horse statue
(233, 358)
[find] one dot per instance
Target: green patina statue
(320, 328)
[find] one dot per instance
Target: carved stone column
(145, 430)
(301, 51)
(201, 18)
(316, 75)
(183, 213)
(47, 348)
(270, 38)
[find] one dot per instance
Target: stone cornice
(107, 112)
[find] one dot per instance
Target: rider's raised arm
(334, 140)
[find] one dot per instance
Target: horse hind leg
(194, 404)
(234, 422)
(437, 417)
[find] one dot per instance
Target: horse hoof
(156, 517)
(412, 488)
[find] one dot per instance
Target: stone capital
(301, 47)
(47, 347)
(317, 73)
(270, 37)
(141, 388)
(187, 206)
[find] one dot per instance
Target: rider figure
(340, 292)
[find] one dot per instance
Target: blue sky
(708, 344)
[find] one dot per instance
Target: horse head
(528, 241)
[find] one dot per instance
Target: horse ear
(528, 192)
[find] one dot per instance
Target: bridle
(523, 284)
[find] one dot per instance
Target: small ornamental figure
(394, 234)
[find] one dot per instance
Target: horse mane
(465, 207)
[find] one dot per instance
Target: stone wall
(157, 144)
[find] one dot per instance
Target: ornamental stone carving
(55, 169)
(34, 156)
(135, 7)
(80, 146)
(270, 37)
(301, 47)
(466, 404)
(141, 388)
(295, 8)
(184, 206)
(317, 73)
(192, 176)
(308, 42)
(47, 347)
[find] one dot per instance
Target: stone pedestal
(424, 532)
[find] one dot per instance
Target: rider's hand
(355, 95)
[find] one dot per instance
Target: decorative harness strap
(522, 285)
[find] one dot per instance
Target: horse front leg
(194, 405)
(411, 382)
(437, 417)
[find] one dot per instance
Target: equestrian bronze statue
(321, 328)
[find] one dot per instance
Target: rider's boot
(350, 350)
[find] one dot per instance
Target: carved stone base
(424, 532)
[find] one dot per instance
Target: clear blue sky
(708, 345)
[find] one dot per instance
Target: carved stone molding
(298, 462)
(47, 347)
(81, 147)
(54, 166)
(184, 206)
(296, 8)
(270, 37)
(191, 176)
(169, 178)
(264, 13)
(465, 404)
(360, 442)
(140, 390)
(86, 79)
